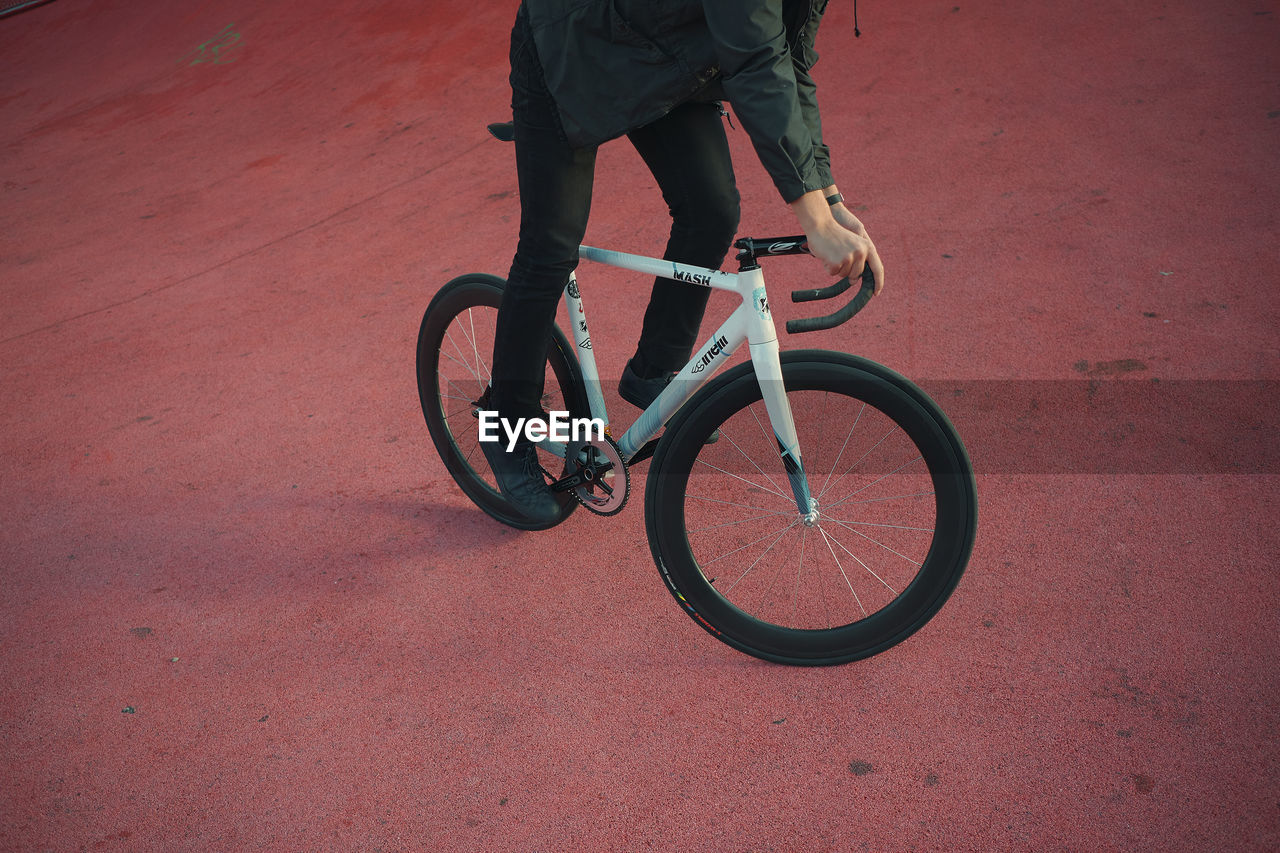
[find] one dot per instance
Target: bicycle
(819, 559)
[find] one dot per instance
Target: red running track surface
(243, 607)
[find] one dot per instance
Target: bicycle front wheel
(895, 522)
(455, 348)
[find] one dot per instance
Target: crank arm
(579, 478)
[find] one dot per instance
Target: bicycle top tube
(750, 250)
(658, 267)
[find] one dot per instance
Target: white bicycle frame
(751, 321)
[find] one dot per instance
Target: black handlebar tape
(856, 304)
(821, 292)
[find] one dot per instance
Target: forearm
(812, 210)
(815, 206)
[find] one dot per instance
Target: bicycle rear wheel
(897, 512)
(455, 346)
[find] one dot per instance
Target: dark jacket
(615, 65)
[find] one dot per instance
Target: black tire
(897, 512)
(455, 346)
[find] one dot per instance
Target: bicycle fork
(768, 369)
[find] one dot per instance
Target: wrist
(812, 210)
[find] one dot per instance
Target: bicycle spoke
(474, 363)
(475, 350)
(836, 464)
(459, 361)
(466, 398)
(732, 523)
(876, 524)
(744, 479)
(795, 599)
(751, 567)
(868, 452)
(877, 542)
(749, 544)
(868, 569)
(470, 457)
(744, 506)
(891, 498)
(466, 414)
(828, 539)
(877, 480)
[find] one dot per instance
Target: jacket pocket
(639, 45)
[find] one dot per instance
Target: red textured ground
(243, 607)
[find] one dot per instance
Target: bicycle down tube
(751, 321)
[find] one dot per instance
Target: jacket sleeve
(803, 58)
(760, 80)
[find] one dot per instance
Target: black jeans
(688, 155)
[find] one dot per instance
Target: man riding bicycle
(587, 71)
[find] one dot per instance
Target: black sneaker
(641, 392)
(520, 479)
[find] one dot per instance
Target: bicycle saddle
(504, 130)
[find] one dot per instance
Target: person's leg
(689, 156)
(555, 199)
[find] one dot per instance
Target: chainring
(600, 462)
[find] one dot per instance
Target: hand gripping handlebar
(752, 249)
(856, 304)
